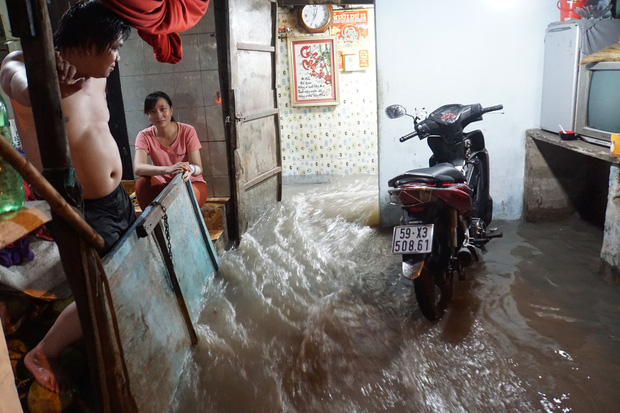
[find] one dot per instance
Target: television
(597, 110)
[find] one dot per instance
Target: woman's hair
(90, 23)
(151, 100)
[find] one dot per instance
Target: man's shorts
(110, 216)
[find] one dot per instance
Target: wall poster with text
(313, 70)
(351, 28)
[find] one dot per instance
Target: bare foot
(47, 371)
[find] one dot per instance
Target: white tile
(163, 82)
(134, 90)
(221, 186)
(191, 55)
(187, 89)
(151, 65)
(219, 158)
(205, 157)
(215, 124)
(210, 86)
(207, 46)
(136, 121)
(132, 58)
(194, 116)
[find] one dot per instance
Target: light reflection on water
(309, 314)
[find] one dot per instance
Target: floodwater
(309, 314)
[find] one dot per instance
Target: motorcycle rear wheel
(433, 290)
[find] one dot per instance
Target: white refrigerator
(566, 43)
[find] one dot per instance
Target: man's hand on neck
(68, 78)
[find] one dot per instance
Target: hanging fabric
(159, 22)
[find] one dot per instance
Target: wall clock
(316, 18)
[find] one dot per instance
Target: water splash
(309, 314)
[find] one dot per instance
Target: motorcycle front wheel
(433, 290)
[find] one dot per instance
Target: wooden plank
(8, 392)
(260, 196)
(258, 115)
(257, 150)
(215, 234)
(274, 88)
(262, 177)
(15, 225)
(253, 47)
(252, 140)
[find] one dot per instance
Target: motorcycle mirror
(395, 111)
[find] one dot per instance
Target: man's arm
(13, 78)
(15, 82)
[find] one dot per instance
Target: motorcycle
(447, 207)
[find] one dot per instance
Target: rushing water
(309, 314)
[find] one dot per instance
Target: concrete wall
(610, 252)
(478, 51)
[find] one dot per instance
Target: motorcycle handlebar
(409, 136)
(492, 108)
(425, 128)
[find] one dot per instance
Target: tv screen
(597, 112)
(604, 101)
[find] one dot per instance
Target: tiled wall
(192, 84)
(325, 140)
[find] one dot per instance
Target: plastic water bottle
(12, 193)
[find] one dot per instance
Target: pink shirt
(186, 142)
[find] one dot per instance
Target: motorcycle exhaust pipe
(466, 255)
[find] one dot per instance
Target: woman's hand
(180, 168)
(187, 174)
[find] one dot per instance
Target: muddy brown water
(309, 314)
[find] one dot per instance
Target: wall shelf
(577, 145)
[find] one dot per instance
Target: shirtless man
(87, 41)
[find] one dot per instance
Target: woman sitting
(174, 149)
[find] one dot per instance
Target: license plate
(412, 239)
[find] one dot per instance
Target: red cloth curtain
(159, 21)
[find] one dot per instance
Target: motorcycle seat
(442, 173)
